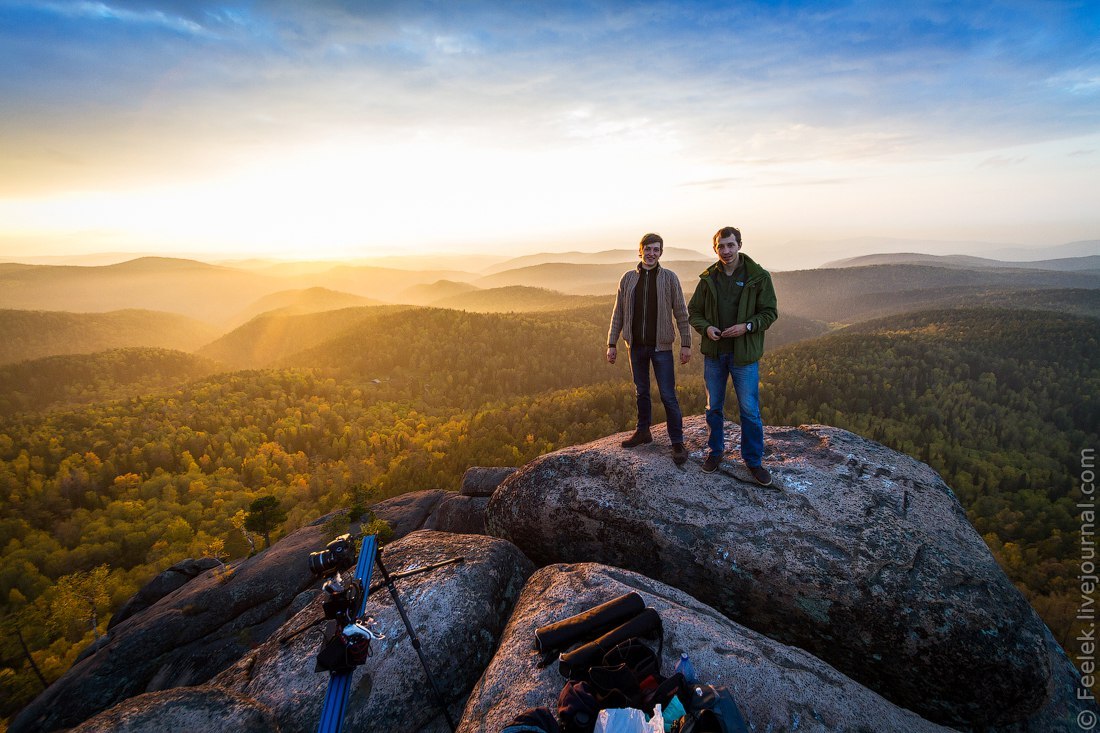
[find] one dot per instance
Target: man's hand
(612, 352)
(713, 333)
(738, 329)
(685, 354)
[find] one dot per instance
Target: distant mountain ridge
(274, 336)
(606, 257)
(299, 302)
(1065, 264)
(27, 334)
(849, 294)
(517, 298)
(429, 293)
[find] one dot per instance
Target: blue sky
(336, 128)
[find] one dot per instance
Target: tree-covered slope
(34, 334)
(273, 336)
(851, 294)
(56, 381)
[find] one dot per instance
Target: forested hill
(272, 336)
(297, 302)
(34, 334)
(850, 294)
(59, 381)
(998, 400)
(519, 298)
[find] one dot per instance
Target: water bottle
(685, 667)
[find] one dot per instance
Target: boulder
(1070, 704)
(484, 480)
(459, 514)
(777, 687)
(458, 612)
(184, 709)
(859, 554)
(185, 638)
(161, 586)
(445, 511)
(408, 512)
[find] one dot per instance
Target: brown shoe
(679, 454)
(640, 437)
(760, 475)
(711, 464)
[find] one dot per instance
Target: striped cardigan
(670, 304)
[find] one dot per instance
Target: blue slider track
(339, 685)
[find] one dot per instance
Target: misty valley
(146, 405)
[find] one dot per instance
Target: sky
(340, 128)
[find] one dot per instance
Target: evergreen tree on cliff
(265, 515)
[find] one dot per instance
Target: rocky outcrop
(445, 511)
(185, 638)
(1067, 698)
(162, 585)
(459, 514)
(184, 709)
(408, 512)
(458, 611)
(484, 480)
(778, 687)
(858, 554)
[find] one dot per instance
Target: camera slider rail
(339, 687)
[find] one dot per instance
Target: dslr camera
(338, 556)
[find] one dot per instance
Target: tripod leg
(388, 580)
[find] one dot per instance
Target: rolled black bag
(575, 664)
(588, 624)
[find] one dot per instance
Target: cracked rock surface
(777, 687)
(858, 554)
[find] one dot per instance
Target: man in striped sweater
(648, 300)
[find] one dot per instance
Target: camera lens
(338, 555)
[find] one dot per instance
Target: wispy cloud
(727, 96)
(101, 11)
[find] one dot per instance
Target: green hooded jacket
(757, 306)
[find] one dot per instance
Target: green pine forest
(132, 460)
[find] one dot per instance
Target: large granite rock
(859, 554)
(459, 514)
(162, 585)
(484, 480)
(458, 612)
(184, 709)
(445, 511)
(184, 639)
(778, 687)
(408, 512)
(1069, 706)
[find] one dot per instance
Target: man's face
(650, 255)
(727, 249)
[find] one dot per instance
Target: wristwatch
(748, 326)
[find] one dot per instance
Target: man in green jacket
(734, 303)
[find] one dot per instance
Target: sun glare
(339, 199)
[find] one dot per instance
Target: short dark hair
(727, 232)
(651, 238)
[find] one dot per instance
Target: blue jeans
(746, 384)
(665, 371)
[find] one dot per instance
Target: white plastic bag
(629, 720)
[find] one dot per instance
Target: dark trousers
(664, 369)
